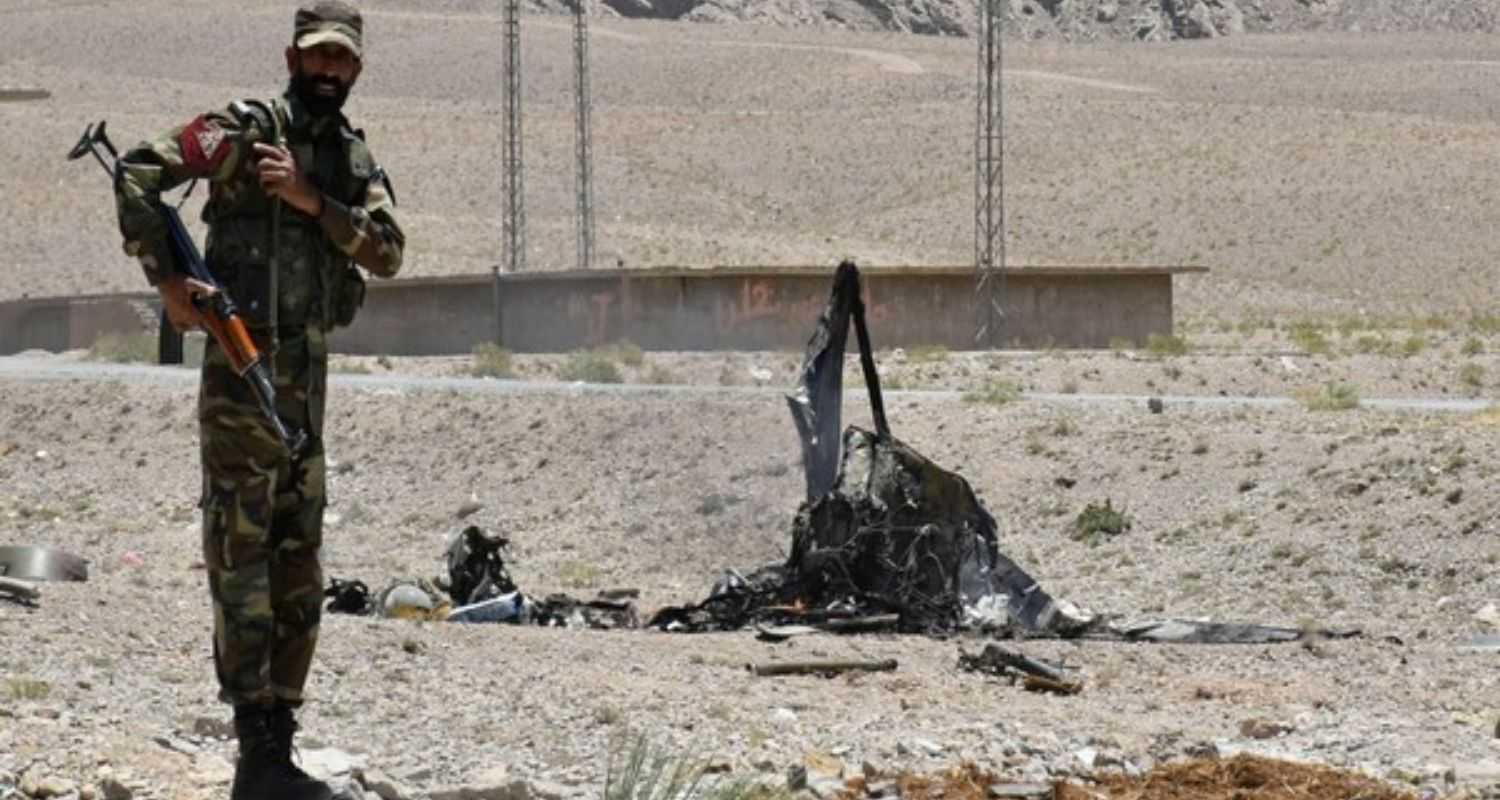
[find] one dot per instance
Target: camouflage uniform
(262, 511)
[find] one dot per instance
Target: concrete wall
(722, 309)
(65, 323)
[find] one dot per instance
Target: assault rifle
(215, 313)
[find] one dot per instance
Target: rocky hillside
(1145, 20)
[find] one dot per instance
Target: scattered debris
(1190, 632)
(1484, 643)
(821, 667)
(347, 597)
(476, 566)
(20, 590)
(478, 589)
(1035, 675)
(42, 564)
(18, 94)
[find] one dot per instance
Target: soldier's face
(323, 75)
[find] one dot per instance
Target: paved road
(25, 368)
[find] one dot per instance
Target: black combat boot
(265, 770)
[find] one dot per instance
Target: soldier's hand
(281, 177)
(177, 295)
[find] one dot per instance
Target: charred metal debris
(887, 539)
(477, 588)
(884, 540)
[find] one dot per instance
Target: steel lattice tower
(989, 183)
(583, 137)
(514, 223)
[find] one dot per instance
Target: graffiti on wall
(606, 314)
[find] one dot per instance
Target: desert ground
(1325, 456)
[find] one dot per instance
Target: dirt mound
(1243, 777)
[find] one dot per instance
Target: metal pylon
(989, 184)
(514, 222)
(583, 136)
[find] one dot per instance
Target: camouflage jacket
(357, 224)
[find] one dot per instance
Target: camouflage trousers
(263, 522)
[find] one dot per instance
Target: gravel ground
(1381, 520)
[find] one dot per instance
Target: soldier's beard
(321, 95)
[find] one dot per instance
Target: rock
(110, 788)
(1198, 23)
(50, 787)
(796, 778)
(1086, 758)
(819, 763)
(1489, 615)
(1155, 405)
(177, 745)
(328, 763)
(385, 787)
(1258, 728)
(784, 716)
(492, 784)
(1229, 19)
(213, 727)
(928, 746)
(1108, 11)
(346, 788)
(548, 790)
(211, 770)
(88, 792)
(468, 509)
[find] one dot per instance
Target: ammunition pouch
(347, 297)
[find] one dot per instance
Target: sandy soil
(1315, 174)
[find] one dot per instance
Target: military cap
(330, 22)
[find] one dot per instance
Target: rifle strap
(274, 250)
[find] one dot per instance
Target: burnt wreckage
(888, 539)
(884, 532)
(885, 540)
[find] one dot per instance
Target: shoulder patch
(204, 145)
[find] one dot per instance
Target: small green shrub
(624, 351)
(928, 354)
(124, 348)
(491, 361)
(29, 689)
(1488, 324)
(995, 392)
(1162, 346)
(1472, 375)
(661, 376)
(1096, 522)
(590, 366)
(1309, 338)
(1332, 397)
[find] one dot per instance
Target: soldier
(295, 202)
